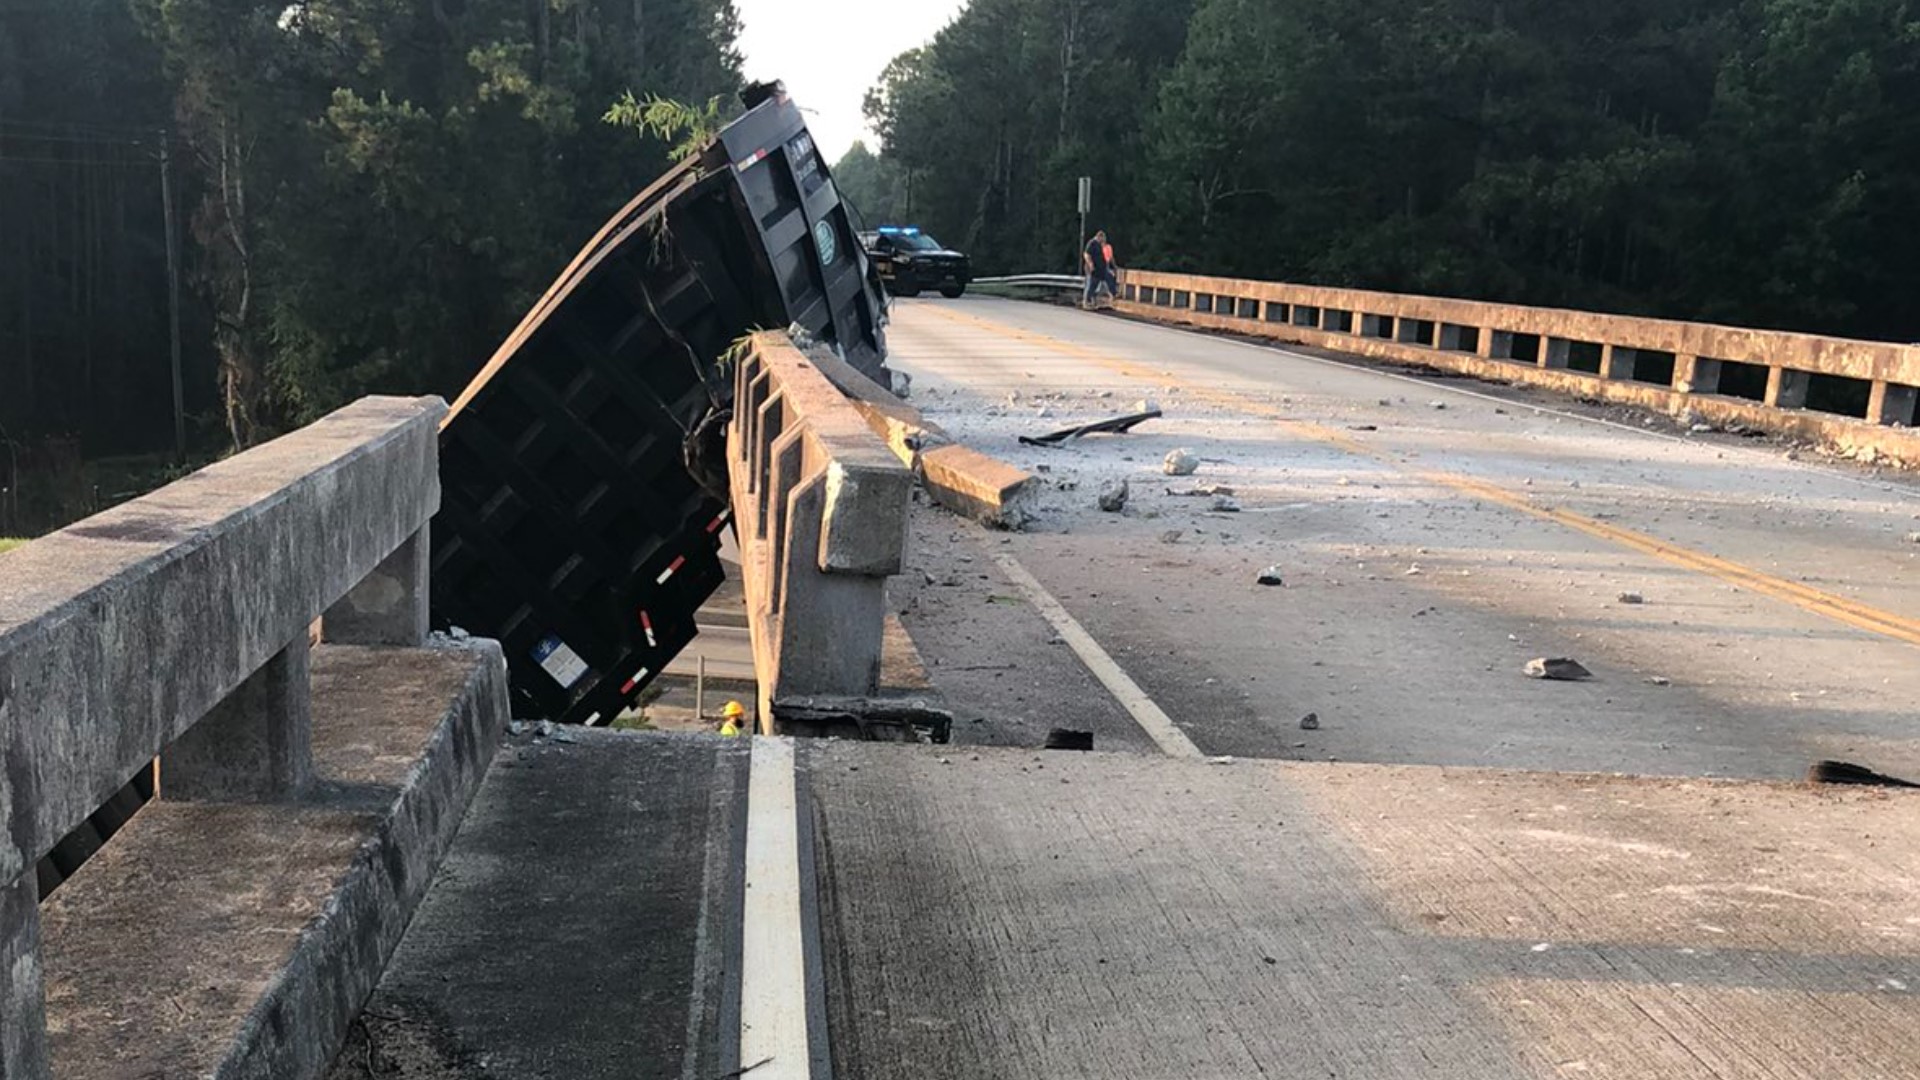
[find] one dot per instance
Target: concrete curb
(380, 820)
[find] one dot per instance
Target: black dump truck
(583, 472)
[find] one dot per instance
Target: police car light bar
(895, 230)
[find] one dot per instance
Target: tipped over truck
(583, 471)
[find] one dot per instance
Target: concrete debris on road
(1171, 536)
(1436, 405)
(1913, 538)
(1632, 598)
(1557, 669)
(1205, 492)
(547, 729)
(1310, 722)
(1659, 680)
(1701, 429)
(1181, 463)
(1363, 427)
(1113, 496)
(1271, 576)
(1225, 504)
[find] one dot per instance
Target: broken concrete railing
(1860, 397)
(235, 924)
(821, 506)
(957, 477)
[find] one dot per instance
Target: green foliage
(875, 187)
(8, 543)
(686, 128)
(1751, 161)
(372, 191)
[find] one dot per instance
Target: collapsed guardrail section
(821, 505)
(1860, 397)
(179, 626)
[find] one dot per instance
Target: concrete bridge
(1329, 827)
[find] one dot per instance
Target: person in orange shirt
(1097, 262)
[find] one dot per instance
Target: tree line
(367, 195)
(1747, 161)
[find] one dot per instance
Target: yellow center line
(1819, 602)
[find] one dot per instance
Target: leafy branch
(686, 128)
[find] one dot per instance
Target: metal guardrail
(1037, 281)
(821, 505)
(178, 626)
(1761, 377)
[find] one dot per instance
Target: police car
(909, 261)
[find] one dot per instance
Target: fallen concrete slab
(1020, 914)
(239, 940)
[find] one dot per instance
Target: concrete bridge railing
(179, 627)
(821, 505)
(1860, 396)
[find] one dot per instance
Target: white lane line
(773, 969)
(1156, 723)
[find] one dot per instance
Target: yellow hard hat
(733, 710)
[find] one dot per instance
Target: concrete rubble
(1557, 669)
(1181, 463)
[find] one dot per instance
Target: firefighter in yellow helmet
(732, 716)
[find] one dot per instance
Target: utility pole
(173, 296)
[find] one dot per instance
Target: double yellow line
(1819, 602)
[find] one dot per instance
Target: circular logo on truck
(827, 242)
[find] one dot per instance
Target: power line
(73, 141)
(85, 126)
(128, 163)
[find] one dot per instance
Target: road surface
(1434, 536)
(1459, 873)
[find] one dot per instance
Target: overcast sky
(831, 51)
